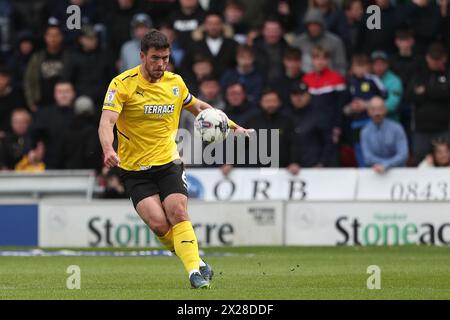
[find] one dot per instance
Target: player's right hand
(111, 159)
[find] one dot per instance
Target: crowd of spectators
(342, 95)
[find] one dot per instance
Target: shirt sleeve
(115, 97)
(188, 98)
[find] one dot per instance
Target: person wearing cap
(312, 140)
(90, 68)
(392, 83)
(129, 53)
(317, 35)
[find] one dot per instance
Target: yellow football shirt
(149, 114)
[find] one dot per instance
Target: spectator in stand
(246, 74)
(81, 145)
(383, 38)
(214, 45)
(234, 16)
(90, 68)
(383, 141)
(201, 67)
(429, 92)
(392, 83)
(425, 18)
(15, 145)
(88, 11)
(363, 86)
(10, 98)
(30, 15)
(269, 49)
(293, 74)
(45, 68)
(317, 35)
(20, 57)
(118, 20)
(50, 124)
(188, 17)
(328, 92)
(406, 62)
(209, 91)
(129, 53)
(312, 139)
(288, 12)
(335, 19)
(114, 188)
(271, 117)
(237, 105)
(33, 160)
(177, 52)
(354, 13)
(160, 10)
(439, 156)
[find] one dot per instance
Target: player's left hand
(243, 131)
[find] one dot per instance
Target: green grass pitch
(409, 272)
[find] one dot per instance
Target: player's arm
(200, 105)
(106, 135)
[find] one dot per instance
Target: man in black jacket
(312, 138)
(50, 124)
(90, 68)
(271, 118)
(430, 92)
(214, 45)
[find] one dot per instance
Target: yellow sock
(186, 246)
(167, 240)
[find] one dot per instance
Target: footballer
(145, 103)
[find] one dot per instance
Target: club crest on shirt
(110, 95)
(176, 91)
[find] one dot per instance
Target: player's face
(155, 62)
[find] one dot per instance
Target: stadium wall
(257, 207)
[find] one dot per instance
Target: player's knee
(160, 228)
(178, 214)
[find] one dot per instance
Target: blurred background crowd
(341, 94)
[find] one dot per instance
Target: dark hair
(269, 90)
(437, 51)
(346, 5)
(235, 4)
(214, 13)
(360, 59)
(208, 78)
(64, 81)
(236, 83)
(201, 58)
(404, 32)
(292, 53)
(4, 71)
(154, 39)
(244, 48)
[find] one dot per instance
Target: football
(211, 125)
